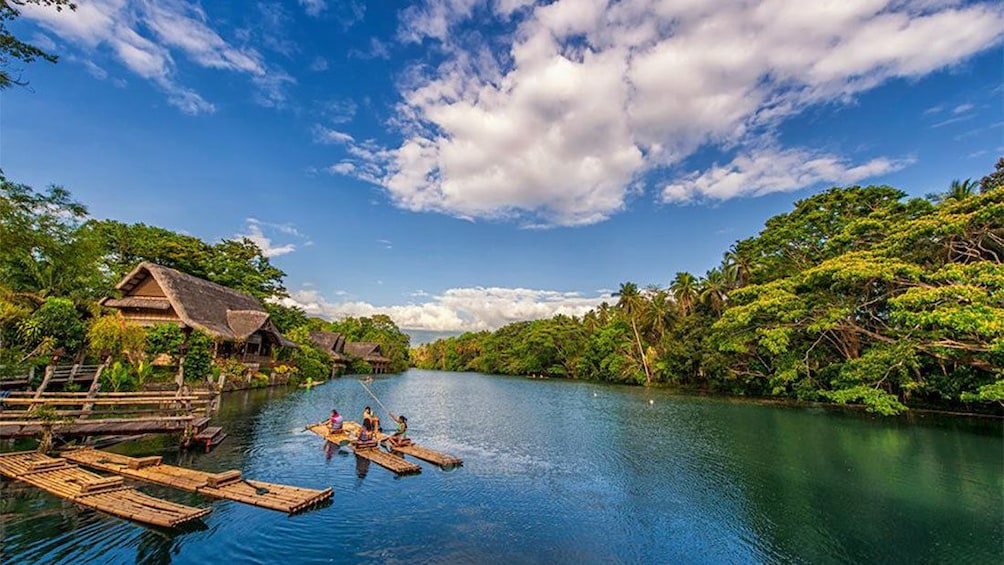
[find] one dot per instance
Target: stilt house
(238, 323)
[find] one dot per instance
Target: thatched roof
(221, 312)
(330, 342)
(365, 350)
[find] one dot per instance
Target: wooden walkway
(227, 485)
(107, 494)
(394, 463)
(92, 413)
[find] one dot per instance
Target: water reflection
(562, 472)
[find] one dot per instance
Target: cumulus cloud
(255, 230)
(457, 309)
(147, 36)
(587, 98)
(774, 170)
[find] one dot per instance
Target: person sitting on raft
(368, 415)
(399, 437)
(335, 421)
(367, 437)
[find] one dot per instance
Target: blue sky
(459, 164)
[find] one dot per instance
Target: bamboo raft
(394, 463)
(107, 494)
(424, 453)
(227, 485)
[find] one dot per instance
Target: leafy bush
(198, 362)
(113, 336)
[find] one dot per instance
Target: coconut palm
(714, 289)
(632, 303)
(685, 290)
(960, 190)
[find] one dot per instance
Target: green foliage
(164, 339)
(236, 264)
(198, 363)
(58, 319)
(117, 377)
(111, 335)
(12, 48)
(46, 251)
(286, 318)
(309, 360)
(379, 329)
(858, 295)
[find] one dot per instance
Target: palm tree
(739, 258)
(632, 303)
(960, 190)
(684, 289)
(714, 290)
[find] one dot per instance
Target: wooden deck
(394, 463)
(107, 494)
(92, 413)
(227, 485)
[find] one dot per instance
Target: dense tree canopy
(858, 295)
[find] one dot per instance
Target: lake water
(564, 472)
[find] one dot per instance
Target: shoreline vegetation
(858, 296)
(57, 263)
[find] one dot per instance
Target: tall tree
(632, 303)
(13, 49)
(685, 288)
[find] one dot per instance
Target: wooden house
(369, 352)
(238, 323)
(343, 352)
(334, 345)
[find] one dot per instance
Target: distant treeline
(56, 263)
(858, 295)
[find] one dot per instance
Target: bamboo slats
(426, 454)
(107, 494)
(226, 485)
(386, 460)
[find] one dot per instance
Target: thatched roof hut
(370, 352)
(154, 294)
(331, 343)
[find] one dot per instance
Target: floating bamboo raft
(228, 484)
(386, 460)
(426, 454)
(107, 494)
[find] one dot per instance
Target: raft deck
(107, 494)
(424, 453)
(386, 460)
(228, 485)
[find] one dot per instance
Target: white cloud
(255, 231)
(319, 64)
(146, 37)
(565, 125)
(768, 170)
(433, 18)
(962, 108)
(457, 309)
(314, 8)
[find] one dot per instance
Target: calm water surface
(560, 472)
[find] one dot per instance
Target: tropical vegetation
(857, 295)
(56, 263)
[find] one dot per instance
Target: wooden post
(49, 369)
(95, 387)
